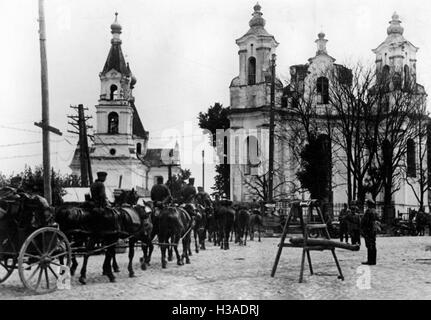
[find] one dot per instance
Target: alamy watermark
(231, 146)
(363, 282)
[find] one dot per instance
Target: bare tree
(258, 186)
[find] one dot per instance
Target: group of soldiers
(160, 193)
(352, 224)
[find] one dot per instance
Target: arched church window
(411, 158)
(113, 123)
(397, 81)
(139, 148)
(322, 87)
(114, 90)
(385, 77)
(252, 71)
(406, 77)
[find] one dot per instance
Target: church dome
(116, 27)
(257, 20)
(395, 25)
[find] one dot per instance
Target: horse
(256, 220)
(224, 216)
(211, 226)
(87, 226)
(199, 229)
(175, 224)
(241, 224)
(196, 215)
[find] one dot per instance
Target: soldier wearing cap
(16, 183)
(98, 192)
(369, 232)
(160, 193)
(203, 198)
(189, 191)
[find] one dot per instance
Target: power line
(25, 143)
(18, 129)
(28, 155)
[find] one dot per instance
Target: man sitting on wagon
(100, 201)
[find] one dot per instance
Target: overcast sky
(183, 54)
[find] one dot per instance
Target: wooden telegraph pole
(271, 133)
(79, 123)
(46, 128)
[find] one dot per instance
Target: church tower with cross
(120, 145)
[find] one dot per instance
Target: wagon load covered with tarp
(31, 242)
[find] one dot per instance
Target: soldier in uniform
(354, 224)
(98, 192)
(203, 198)
(369, 232)
(15, 182)
(160, 193)
(189, 191)
(343, 223)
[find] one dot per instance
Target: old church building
(120, 145)
(250, 98)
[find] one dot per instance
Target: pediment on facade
(395, 42)
(322, 57)
(257, 35)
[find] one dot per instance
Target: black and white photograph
(233, 152)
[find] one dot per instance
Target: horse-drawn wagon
(31, 242)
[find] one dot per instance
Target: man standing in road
(354, 224)
(368, 226)
(343, 223)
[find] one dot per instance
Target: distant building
(250, 105)
(120, 142)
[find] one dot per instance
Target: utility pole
(203, 169)
(79, 123)
(46, 128)
(271, 133)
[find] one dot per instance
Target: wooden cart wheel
(44, 257)
(7, 266)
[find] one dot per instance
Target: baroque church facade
(250, 98)
(120, 145)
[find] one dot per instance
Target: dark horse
(198, 214)
(241, 224)
(139, 229)
(224, 216)
(175, 224)
(211, 226)
(256, 221)
(87, 226)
